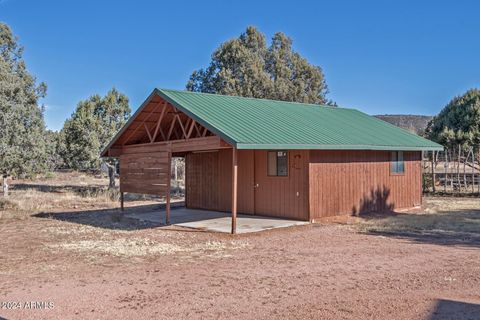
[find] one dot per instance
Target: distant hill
(414, 123)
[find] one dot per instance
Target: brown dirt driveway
(98, 265)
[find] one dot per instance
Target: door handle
(255, 185)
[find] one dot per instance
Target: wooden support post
(234, 189)
(169, 173)
(121, 200)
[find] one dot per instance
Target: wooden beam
(158, 123)
(192, 124)
(126, 140)
(171, 128)
(182, 127)
(148, 132)
(196, 144)
(234, 189)
(114, 152)
(121, 200)
(198, 130)
(187, 126)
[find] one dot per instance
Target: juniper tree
(89, 130)
(458, 123)
(246, 67)
(23, 146)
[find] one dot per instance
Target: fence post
(473, 170)
(433, 171)
(445, 180)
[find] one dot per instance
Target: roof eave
(336, 147)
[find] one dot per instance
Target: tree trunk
(176, 169)
(111, 177)
(111, 174)
(5, 186)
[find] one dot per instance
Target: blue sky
(408, 57)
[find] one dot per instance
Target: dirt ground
(79, 258)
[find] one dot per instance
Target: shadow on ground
(461, 227)
(450, 309)
(108, 218)
(83, 191)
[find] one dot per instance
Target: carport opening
(178, 177)
(201, 168)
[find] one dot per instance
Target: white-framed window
(277, 163)
(397, 164)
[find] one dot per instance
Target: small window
(396, 164)
(277, 164)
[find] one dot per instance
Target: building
(272, 158)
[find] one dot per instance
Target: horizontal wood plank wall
(354, 182)
(144, 173)
(285, 197)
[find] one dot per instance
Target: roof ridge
(252, 98)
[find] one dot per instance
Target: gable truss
(160, 121)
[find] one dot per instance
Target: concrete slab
(215, 221)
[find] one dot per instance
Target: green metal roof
(249, 123)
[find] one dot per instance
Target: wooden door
(201, 183)
(246, 202)
(282, 196)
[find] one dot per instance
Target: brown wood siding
(197, 144)
(285, 197)
(144, 172)
(275, 196)
(353, 182)
(246, 181)
(201, 183)
(209, 180)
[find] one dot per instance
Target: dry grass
(134, 247)
(62, 191)
(442, 217)
(127, 247)
(25, 203)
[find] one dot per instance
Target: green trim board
(249, 123)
